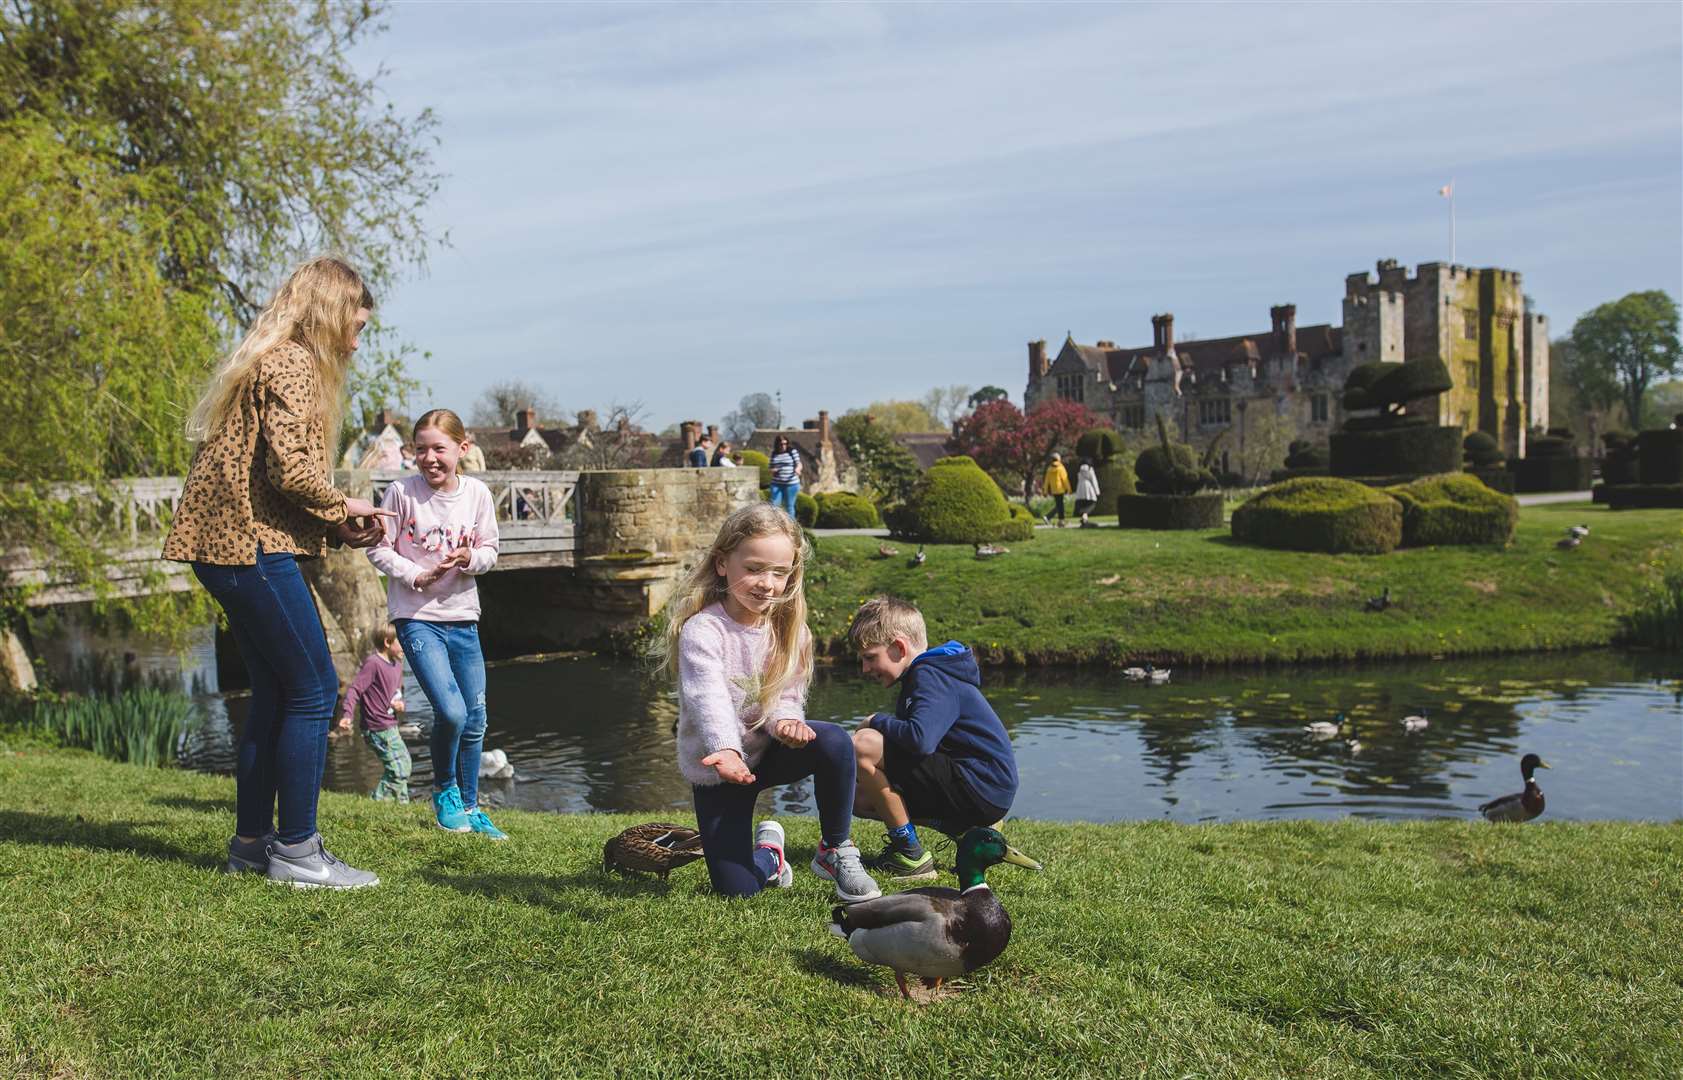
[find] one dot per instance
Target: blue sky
(679, 205)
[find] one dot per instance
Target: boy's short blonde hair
(881, 619)
(388, 633)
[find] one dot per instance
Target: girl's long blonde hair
(788, 658)
(316, 306)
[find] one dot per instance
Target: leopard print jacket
(261, 479)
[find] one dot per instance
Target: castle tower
(1374, 316)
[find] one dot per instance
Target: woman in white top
(1086, 491)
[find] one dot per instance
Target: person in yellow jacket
(1057, 485)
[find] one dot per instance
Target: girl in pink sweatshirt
(444, 535)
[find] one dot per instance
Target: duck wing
(918, 930)
(1506, 808)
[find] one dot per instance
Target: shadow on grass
(48, 830)
(828, 965)
(555, 892)
(187, 802)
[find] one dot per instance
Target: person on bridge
(444, 535)
(258, 497)
(738, 643)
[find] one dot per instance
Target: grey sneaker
(843, 865)
(309, 865)
(252, 858)
(770, 836)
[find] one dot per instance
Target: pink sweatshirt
(719, 665)
(431, 524)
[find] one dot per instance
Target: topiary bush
(1659, 455)
(1481, 450)
(1203, 510)
(1171, 468)
(1551, 463)
(1321, 513)
(1419, 450)
(755, 459)
(1618, 464)
(846, 510)
(1454, 509)
(1645, 496)
(806, 509)
(1021, 525)
(955, 502)
(1100, 444)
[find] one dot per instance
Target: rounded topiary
(1100, 444)
(1482, 451)
(806, 509)
(1454, 509)
(1170, 470)
(955, 502)
(1411, 381)
(754, 459)
(1203, 510)
(1303, 454)
(1358, 385)
(846, 510)
(1021, 525)
(1321, 513)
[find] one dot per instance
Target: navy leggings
(724, 812)
(283, 746)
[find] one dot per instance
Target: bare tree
(621, 443)
(753, 412)
(500, 401)
(1267, 439)
(947, 403)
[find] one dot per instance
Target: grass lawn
(1354, 949)
(1120, 596)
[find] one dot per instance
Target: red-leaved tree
(1005, 442)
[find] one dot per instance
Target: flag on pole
(1448, 190)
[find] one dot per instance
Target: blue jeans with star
(448, 664)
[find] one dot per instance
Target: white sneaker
(770, 835)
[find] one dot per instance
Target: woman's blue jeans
(448, 664)
(283, 747)
(783, 496)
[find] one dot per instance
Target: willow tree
(161, 167)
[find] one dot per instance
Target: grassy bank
(1121, 596)
(1327, 950)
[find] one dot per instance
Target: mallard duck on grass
(1380, 602)
(887, 551)
(654, 848)
(1521, 805)
(919, 557)
(937, 933)
(991, 551)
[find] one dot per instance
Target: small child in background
(942, 756)
(377, 692)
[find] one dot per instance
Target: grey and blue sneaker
(309, 865)
(770, 836)
(480, 823)
(842, 864)
(447, 810)
(248, 858)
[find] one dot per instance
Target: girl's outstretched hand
(792, 732)
(730, 766)
(456, 560)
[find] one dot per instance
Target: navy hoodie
(941, 708)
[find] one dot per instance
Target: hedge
(1321, 513)
(1021, 525)
(1496, 478)
(1099, 444)
(1398, 451)
(755, 459)
(1200, 511)
(1115, 478)
(1411, 381)
(1552, 473)
(1482, 451)
(1454, 509)
(806, 509)
(1643, 496)
(846, 510)
(1660, 457)
(955, 502)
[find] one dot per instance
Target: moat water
(594, 734)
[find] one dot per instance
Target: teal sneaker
(479, 823)
(903, 863)
(447, 810)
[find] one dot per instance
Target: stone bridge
(582, 555)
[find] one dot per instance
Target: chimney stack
(824, 427)
(1163, 333)
(1037, 359)
(526, 419)
(1285, 328)
(687, 429)
(713, 433)
(382, 418)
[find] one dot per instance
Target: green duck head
(981, 848)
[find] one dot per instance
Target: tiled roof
(926, 446)
(1210, 355)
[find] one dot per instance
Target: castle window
(1470, 374)
(1215, 411)
(1469, 324)
(1133, 417)
(1318, 409)
(1072, 387)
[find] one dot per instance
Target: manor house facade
(1478, 322)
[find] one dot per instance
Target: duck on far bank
(1521, 805)
(1380, 602)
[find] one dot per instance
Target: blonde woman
(258, 498)
(737, 641)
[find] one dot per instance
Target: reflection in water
(593, 734)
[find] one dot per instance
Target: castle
(1478, 322)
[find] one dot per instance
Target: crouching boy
(943, 757)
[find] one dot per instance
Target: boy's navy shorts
(934, 791)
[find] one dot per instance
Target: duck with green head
(937, 933)
(1521, 805)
